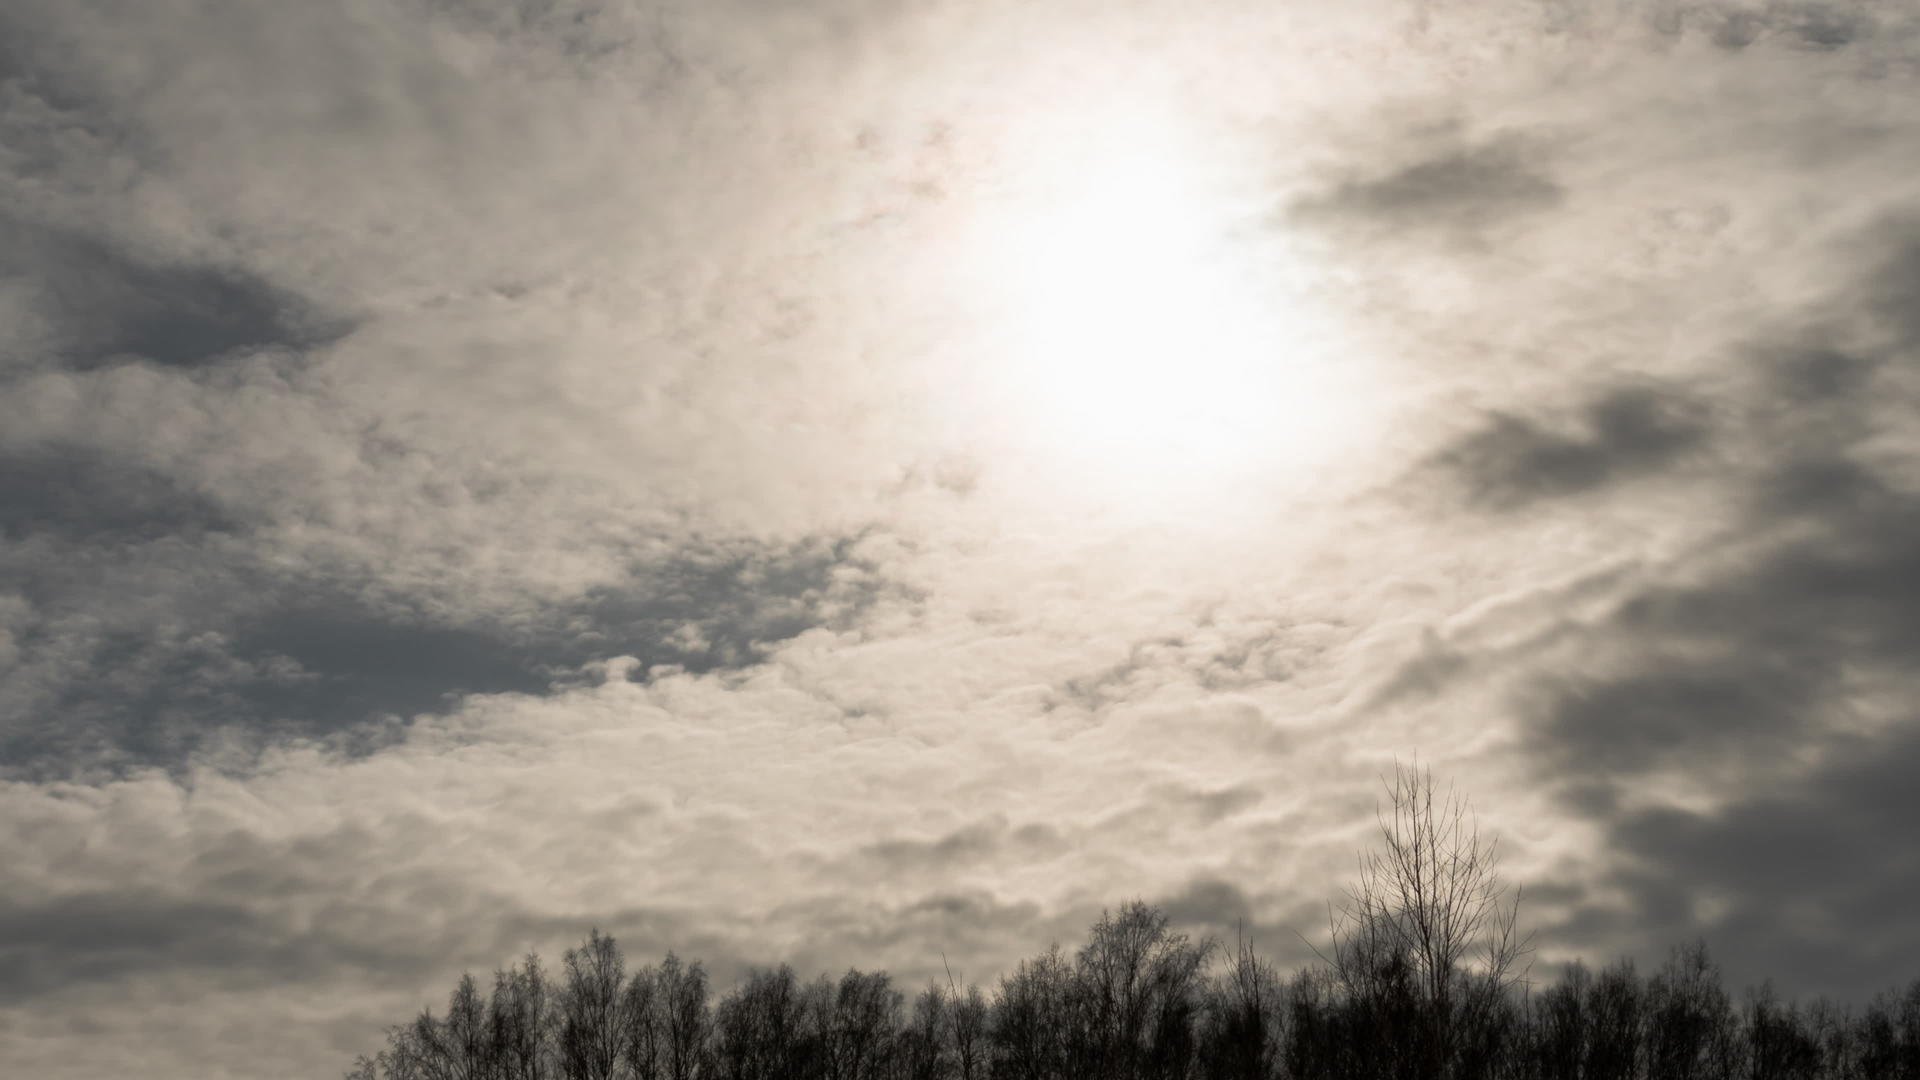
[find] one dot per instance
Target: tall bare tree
(1030, 1019)
(682, 990)
(760, 1029)
(924, 1052)
(1245, 1020)
(1689, 1019)
(1136, 990)
(859, 1029)
(641, 1037)
(519, 1019)
(969, 1032)
(1431, 915)
(591, 1025)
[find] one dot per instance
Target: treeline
(1136, 1002)
(1422, 981)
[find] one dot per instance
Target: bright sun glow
(1151, 333)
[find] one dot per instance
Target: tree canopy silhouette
(1422, 980)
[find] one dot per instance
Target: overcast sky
(846, 481)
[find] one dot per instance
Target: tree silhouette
(684, 1022)
(593, 1021)
(1427, 937)
(1244, 1019)
(1423, 983)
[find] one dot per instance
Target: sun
(1149, 330)
(1128, 333)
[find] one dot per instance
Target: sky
(845, 482)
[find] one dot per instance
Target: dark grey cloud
(1747, 668)
(1676, 711)
(1816, 26)
(979, 845)
(1888, 293)
(266, 658)
(969, 924)
(1514, 461)
(97, 939)
(252, 918)
(1810, 881)
(1467, 186)
(1222, 659)
(967, 845)
(1221, 803)
(1766, 674)
(54, 119)
(139, 698)
(77, 496)
(1279, 928)
(725, 606)
(1208, 902)
(908, 938)
(104, 303)
(1762, 671)
(1821, 372)
(1114, 683)
(104, 937)
(364, 662)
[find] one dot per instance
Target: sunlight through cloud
(1153, 338)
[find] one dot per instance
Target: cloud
(988, 838)
(78, 498)
(105, 937)
(1514, 461)
(726, 816)
(1799, 25)
(1806, 879)
(1727, 716)
(1460, 186)
(1775, 692)
(470, 472)
(1673, 713)
(248, 499)
(264, 659)
(96, 304)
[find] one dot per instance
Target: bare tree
(968, 1024)
(1689, 1019)
(1778, 1044)
(685, 1021)
(641, 1038)
(455, 1048)
(1614, 1008)
(1245, 1020)
(519, 1019)
(1889, 1035)
(1137, 987)
(759, 1029)
(591, 1024)
(1431, 912)
(1029, 1018)
(923, 1044)
(1562, 1026)
(865, 1014)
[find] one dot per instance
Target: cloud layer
(473, 471)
